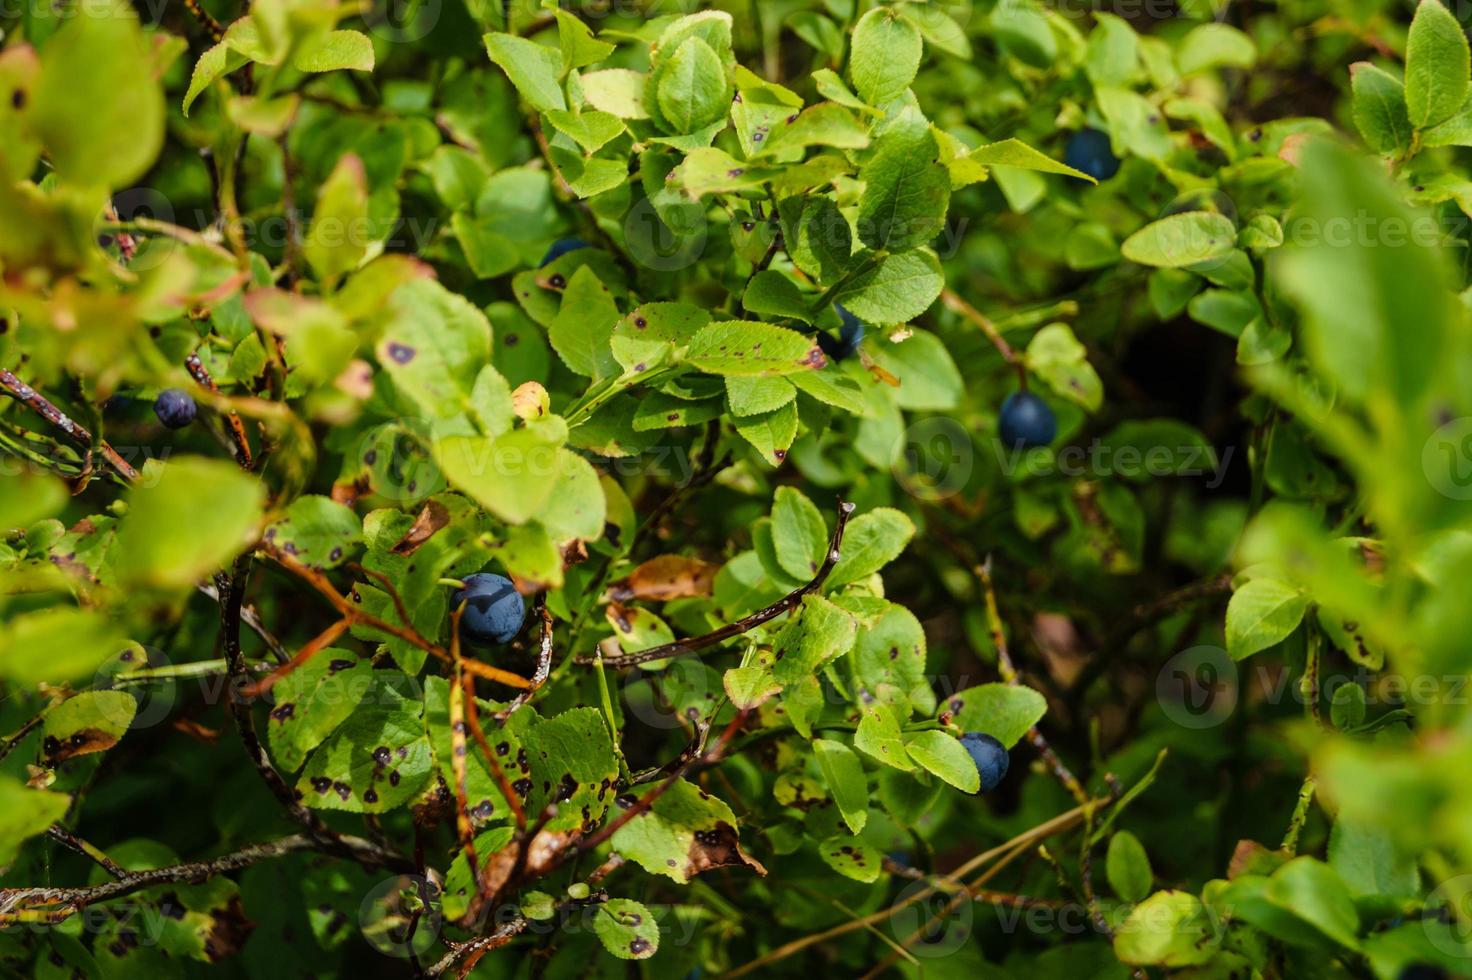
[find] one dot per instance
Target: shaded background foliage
(1218, 620)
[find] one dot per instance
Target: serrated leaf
(819, 633)
(1437, 65)
(884, 55)
(1003, 711)
(871, 541)
(582, 331)
(897, 290)
(691, 88)
(1056, 356)
(572, 765)
(750, 348)
(844, 775)
(684, 833)
(1380, 108)
(335, 51)
(311, 701)
(878, 736)
(906, 194)
(89, 722)
(377, 760)
(944, 755)
(852, 858)
(1015, 153)
(799, 533)
(1262, 613)
(1181, 240)
(533, 68)
(626, 929)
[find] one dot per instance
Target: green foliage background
(1220, 622)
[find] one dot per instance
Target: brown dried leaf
(432, 517)
(664, 578)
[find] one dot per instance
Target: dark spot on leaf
(370, 795)
(557, 281)
(321, 784)
(381, 755)
(400, 353)
(18, 98)
(337, 665)
(511, 340)
(343, 790)
(283, 711)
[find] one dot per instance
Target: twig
(33, 399)
(406, 632)
(1062, 822)
(52, 905)
(544, 663)
(478, 946)
(211, 26)
(745, 624)
(20, 735)
(1009, 673)
(956, 304)
(1300, 814)
(201, 375)
(251, 618)
(70, 841)
(463, 827)
(310, 649)
(231, 587)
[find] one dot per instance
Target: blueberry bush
(745, 488)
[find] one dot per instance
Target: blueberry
(494, 609)
(1026, 421)
(850, 335)
(174, 408)
(990, 757)
(561, 247)
(1088, 150)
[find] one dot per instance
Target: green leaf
(871, 541)
(889, 657)
(1262, 613)
(941, 753)
(1003, 711)
(844, 775)
(92, 721)
(337, 239)
(852, 858)
(1380, 108)
(754, 396)
(507, 475)
(626, 929)
(583, 328)
(1147, 449)
(749, 348)
(98, 106)
(878, 736)
(1055, 355)
(1437, 65)
(28, 497)
(24, 813)
(691, 88)
(335, 51)
(1128, 867)
(572, 765)
(1170, 928)
(616, 91)
(897, 290)
(57, 645)
(1210, 46)
(1181, 240)
(684, 833)
(819, 633)
(311, 701)
(318, 531)
(651, 334)
(216, 62)
(434, 346)
(770, 433)
(799, 533)
(1015, 153)
(186, 519)
(591, 129)
(376, 760)
(533, 68)
(884, 55)
(1370, 861)
(906, 194)
(771, 292)
(1311, 891)
(817, 235)
(1113, 51)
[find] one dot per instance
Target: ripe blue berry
(1026, 421)
(850, 335)
(494, 610)
(990, 757)
(1088, 150)
(174, 408)
(561, 247)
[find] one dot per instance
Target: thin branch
(956, 304)
(478, 946)
(52, 905)
(544, 663)
(201, 375)
(20, 735)
(746, 624)
(212, 27)
(33, 399)
(251, 618)
(95, 854)
(1009, 674)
